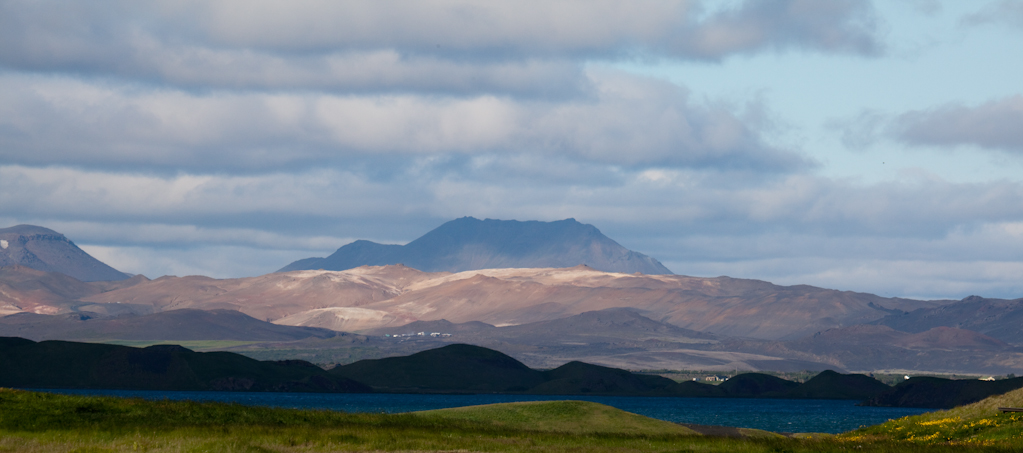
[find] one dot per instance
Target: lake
(822, 416)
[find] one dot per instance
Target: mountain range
(543, 316)
(469, 244)
(378, 296)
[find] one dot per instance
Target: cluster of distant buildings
(419, 334)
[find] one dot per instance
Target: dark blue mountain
(468, 243)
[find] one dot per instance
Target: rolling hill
(66, 365)
(997, 318)
(942, 393)
(467, 368)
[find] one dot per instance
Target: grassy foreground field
(42, 422)
(980, 423)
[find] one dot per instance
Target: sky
(863, 146)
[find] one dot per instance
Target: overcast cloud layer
(230, 138)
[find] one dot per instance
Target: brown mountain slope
(997, 318)
(179, 325)
(722, 305)
(872, 347)
(23, 289)
(272, 296)
(370, 297)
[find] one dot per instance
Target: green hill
(64, 364)
(579, 377)
(755, 384)
(575, 417)
(456, 367)
(466, 368)
(941, 393)
(831, 385)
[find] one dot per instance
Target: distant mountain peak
(468, 243)
(28, 230)
(47, 250)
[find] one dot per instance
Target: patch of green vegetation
(576, 417)
(43, 422)
(980, 423)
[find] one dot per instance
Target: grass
(576, 417)
(980, 423)
(43, 422)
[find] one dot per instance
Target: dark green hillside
(61, 364)
(942, 393)
(457, 367)
(697, 390)
(836, 386)
(756, 384)
(466, 368)
(578, 377)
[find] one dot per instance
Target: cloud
(833, 26)
(701, 202)
(926, 7)
(627, 120)
(1005, 12)
(59, 192)
(212, 261)
(993, 125)
(517, 48)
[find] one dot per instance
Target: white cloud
(211, 261)
(1006, 12)
(627, 120)
(171, 236)
(994, 124)
(530, 48)
(991, 125)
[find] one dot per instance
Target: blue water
(821, 416)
